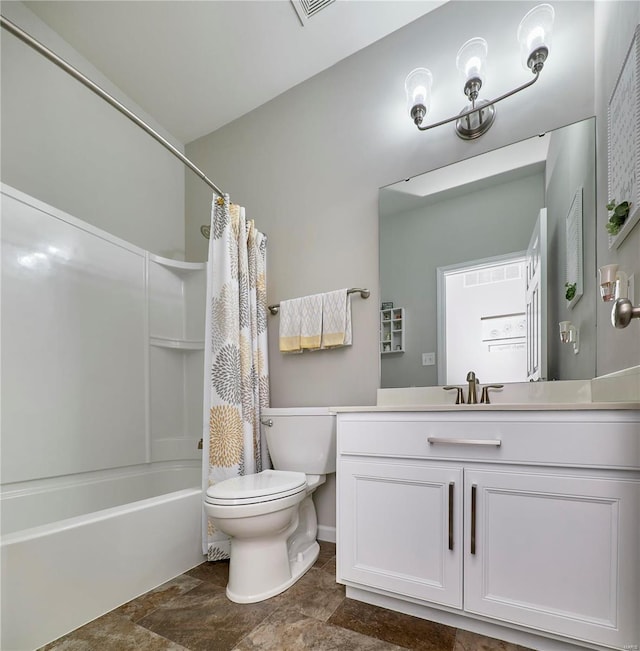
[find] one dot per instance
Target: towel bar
(365, 293)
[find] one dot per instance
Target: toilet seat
(264, 486)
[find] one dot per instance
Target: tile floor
(191, 612)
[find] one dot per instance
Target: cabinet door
(400, 529)
(556, 553)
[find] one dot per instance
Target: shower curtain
(236, 364)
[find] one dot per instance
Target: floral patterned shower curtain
(236, 364)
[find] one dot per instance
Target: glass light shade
(535, 31)
(418, 88)
(567, 332)
(472, 59)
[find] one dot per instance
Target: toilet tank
(301, 439)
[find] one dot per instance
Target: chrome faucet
(472, 398)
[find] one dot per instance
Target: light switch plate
(428, 359)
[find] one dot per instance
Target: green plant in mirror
(571, 290)
(619, 214)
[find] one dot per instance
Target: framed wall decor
(624, 140)
(574, 251)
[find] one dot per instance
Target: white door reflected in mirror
(484, 320)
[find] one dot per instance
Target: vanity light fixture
(534, 35)
(569, 334)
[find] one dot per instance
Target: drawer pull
(451, 484)
(474, 490)
(432, 440)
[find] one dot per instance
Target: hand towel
(311, 322)
(290, 319)
(336, 319)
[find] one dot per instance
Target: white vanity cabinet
(403, 523)
(527, 519)
(555, 553)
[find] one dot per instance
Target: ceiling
(195, 66)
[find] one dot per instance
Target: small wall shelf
(634, 217)
(392, 331)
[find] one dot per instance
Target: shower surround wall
(102, 358)
(102, 348)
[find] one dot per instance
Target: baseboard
(327, 534)
(467, 621)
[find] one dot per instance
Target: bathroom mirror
(474, 221)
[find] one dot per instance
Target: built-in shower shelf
(178, 344)
(177, 266)
(176, 327)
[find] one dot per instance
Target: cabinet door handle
(445, 441)
(451, 484)
(474, 490)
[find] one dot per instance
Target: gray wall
(570, 164)
(480, 224)
(615, 23)
(65, 146)
(308, 165)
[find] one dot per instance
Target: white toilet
(270, 516)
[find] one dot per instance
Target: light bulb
(418, 89)
(471, 62)
(534, 35)
(472, 58)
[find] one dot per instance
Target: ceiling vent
(308, 8)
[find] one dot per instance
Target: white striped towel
(290, 319)
(311, 322)
(336, 319)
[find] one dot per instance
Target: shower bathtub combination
(102, 368)
(102, 362)
(62, 574)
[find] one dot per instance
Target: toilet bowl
(270, 516)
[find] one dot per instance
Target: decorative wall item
(573, 260)
(624, 140)
(618, 216)
(503, 326)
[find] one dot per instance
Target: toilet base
(303, 562)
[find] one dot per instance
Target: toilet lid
(262, 487)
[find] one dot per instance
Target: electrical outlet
(428, 359)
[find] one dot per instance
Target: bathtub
(74, 548)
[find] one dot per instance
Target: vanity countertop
(618, 391)
(547, 406)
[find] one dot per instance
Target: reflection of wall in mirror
(454, 228)
(571, 164)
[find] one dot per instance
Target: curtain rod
(74, 72)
